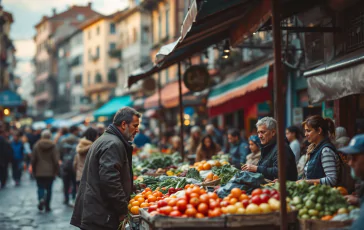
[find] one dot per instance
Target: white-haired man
(268, 163)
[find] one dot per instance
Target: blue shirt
(18, 150)
(238, 153)
(141, 139)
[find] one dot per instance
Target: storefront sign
(196, 78)
(297, 116)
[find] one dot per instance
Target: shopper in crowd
(30, 136)
(18, 157)
(206, 149)
(6, 155)
(215, 134)
(62, 134)
(355, 151)
(100, 128)
(254, 146)
(88, 137)
(323, 163)
(45, 168)
(341, 136)
(27, 151)
(303, 159)
(268, 163)
(141, 139)
(194, 140)
(238, 150)
(175, 144)
(293, 134)
(104, 193)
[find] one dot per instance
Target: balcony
(115, 53)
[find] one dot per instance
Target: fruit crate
(323, 225)
(134, 221)
(166, 222)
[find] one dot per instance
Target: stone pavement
(18, 208)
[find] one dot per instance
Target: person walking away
(323, 163)
(268, 163)
(45, 166)
(107, 181)
(6, 155)
(88, 137)
(207, 149)
(355, 153)
(293, 134)
(68, 152)
(239, 149)
(254, 146)
(341, 136)
(18, 157)
(27, 154)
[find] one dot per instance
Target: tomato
(195, 201)
(276, 196)
(203, 208)
(162, 203)
(147, 189)
(175, 213)
(265, 208)
(191, 212)
(181, 205)
(175, 208)
(188, 192)
(202, 191)
(273, 192)
(184, 216)
(252, 209)
(152, 208)
(212, 195)
(231, 209)
(245, 203)
(224, 204)
(196, 189)
(233, 201)
(215, 213)
(235, 192)
(166, 210)
(214, 205)
(153, 213)
(256, 200)
(256, 192)
(264, 198)
(204, 198)
(187, 186)
(266, 191)
(197, 195)
(243, 197)
(200, 215)
(172, 202)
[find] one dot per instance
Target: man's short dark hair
(73, 129)
(234, 132)
(125, 114)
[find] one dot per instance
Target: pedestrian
(355, 153)
(107, 181)
(293, 134)
(341, 136)
(238, 150)
(206, 149)
(175, 144)
(254, 146)
(268, 163)
(323, 162)
(141, 139)
(45, 168)
(27, 153)
(18, 157)
(6, 155)
(194, 140)
(88, 137)
(215, 134)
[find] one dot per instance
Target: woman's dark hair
(213, 144)
(91, 134)
(316, 122)
(295, 130)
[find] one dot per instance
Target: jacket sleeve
(111, 188)
(34, 159)
(270, 173)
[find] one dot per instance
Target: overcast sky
(28, 13)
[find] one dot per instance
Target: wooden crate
(323, 225)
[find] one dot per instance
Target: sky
(27, 13)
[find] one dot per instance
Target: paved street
(18, 208)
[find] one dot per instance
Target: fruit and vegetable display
(226, 172)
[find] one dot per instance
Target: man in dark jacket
(107, 179)
(268, 163)
(6, 153)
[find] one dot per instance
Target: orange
(140, 200)
(137, 197)
(243, 197)
(131, 201)
(236, 192)
(206, 166)
(342, 190)
(135, 203)
(134, 210)
(152, 198)
(129, 206)
(233, 201)
(144, 205)
(210, 176)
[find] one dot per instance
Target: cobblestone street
(18, 208)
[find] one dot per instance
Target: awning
(245, 90)
(342, 77)
(111, 107)
(170, 94)
(207, 23)
(10, 99)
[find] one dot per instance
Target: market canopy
(111, 107)
(342, 77)
(9, 98)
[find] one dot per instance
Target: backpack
(68, 155)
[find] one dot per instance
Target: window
(112, 46)
(135, 35)
(98, 30)
(167, 21)
(159, 27)
(78, 79)
(98, 78)
(89, 34)
(145, 34)
(167, 75)
(89, 78)
(89, 54)
(98, 51)
(112, 28)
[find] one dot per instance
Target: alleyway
(18, 208)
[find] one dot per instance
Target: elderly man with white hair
(268, 163)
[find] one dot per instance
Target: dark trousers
(69, 180)
(3, 175)
(17, 166)
(45, 189)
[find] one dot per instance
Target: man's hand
(352, 199)
(249, 168)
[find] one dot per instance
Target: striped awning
(237, 87)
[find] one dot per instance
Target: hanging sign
(196, 78)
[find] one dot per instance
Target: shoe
(72, 203)
(48, 209)
(41, 205)
(65, 202)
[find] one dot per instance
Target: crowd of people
(96, 163)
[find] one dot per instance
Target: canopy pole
(159, 110)
(279, 109)
(181, 111)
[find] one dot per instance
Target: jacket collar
(268, 147)
(112, 129)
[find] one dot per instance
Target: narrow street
(18, 209)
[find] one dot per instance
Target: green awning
(111, 107)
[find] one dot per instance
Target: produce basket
(323, 225)
(165, 222)
(211, 183)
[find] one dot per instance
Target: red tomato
(197, 195)
(245, 203)
(266, 191)
(181, 205)
(175, 208)
(166, 210)
(162, 203)
(188, 192)
(184, 216)
(152, 208)
(172, 202)
(224, 204)
(204, 198)
(256, 200)
(214, 205)
(212, 195)
(200, 215)
(194, 201)
(276, 196)
(273, 192)
(196, 189)
(202, 191)
(214, 213)
(203, 208)
(256, 192)
(264, 198)
(191, 212)
(175, 213)
(243, 192)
